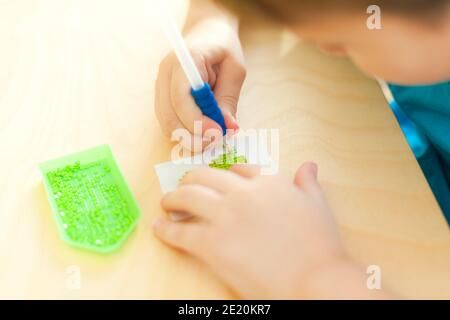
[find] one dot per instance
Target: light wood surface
(75, 74)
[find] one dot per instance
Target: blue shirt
(424, 115)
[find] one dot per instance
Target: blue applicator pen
(201, 91)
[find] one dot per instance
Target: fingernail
(230, 121)
(235, 123)
(179, 216)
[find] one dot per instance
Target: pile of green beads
(91, 207)
(227, 159)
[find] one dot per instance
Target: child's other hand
(218, 55)
(263, 235)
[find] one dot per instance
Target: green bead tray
(92, 204)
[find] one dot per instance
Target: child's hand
(218, 55)
(263, 235)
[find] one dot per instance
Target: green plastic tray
(92, 204)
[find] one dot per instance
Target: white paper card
(170, 173)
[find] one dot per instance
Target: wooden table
(75, 74)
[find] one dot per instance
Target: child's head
(412, 46)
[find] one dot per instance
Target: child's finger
(246, 170)
(228, 87)
(184, 105)
(169, 120)
(193, 199)
(216, 179)
(181, 235)
(306, 179)
(163, 107)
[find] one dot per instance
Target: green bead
(92, 208)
